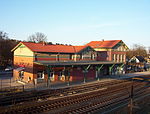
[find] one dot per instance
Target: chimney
(44, 43)
(102, 40)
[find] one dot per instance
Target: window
(124, 58)
(121, 59)
(121, 48)
(86, 56)
(124, 49)
(21, 74)
(61, 73)
(51, 74)
(71, 57)
(57, 56)
(81, 57)
(114, 57)
(36, 58)
(40, 75)
(118, 58)
(92, 56)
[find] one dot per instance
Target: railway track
(14, 98)
(60, 102)
(101, 103)
(140, 100)
(89, 101)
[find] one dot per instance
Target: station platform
(57, 85)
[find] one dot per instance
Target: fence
(5, 83)
(7, 86)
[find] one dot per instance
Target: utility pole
(131, 99)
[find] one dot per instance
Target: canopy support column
(98, 70)
(48, 74)
(110, 69)
(85, 71)
(121, 68)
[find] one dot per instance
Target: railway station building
(43, 62)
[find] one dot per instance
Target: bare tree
(148, 50)
(6, 45)
(137, 50)
(37, 37)
(3, 35)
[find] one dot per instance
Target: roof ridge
(48, 44)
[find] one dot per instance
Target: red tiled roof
(39, 47)
(103, 44)
(79, 48)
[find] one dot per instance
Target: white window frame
(40, 75)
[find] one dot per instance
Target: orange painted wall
(27, 62)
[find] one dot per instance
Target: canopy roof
(68, 63)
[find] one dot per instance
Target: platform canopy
(70, 63)
(19, 69)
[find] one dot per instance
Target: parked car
(8, 69)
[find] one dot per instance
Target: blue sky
(78, 22)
